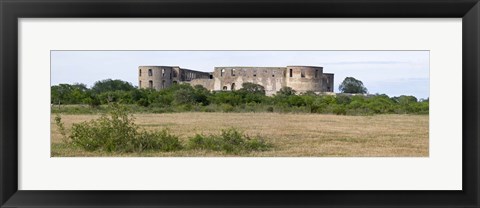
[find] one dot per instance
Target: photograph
(267, 104)
(241, 103)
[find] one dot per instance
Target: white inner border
(440, 171)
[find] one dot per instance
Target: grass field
(292, 135)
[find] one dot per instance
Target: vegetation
(116, 132)
(250, 98)
(230, 141)
(61, 127)
(352, 85)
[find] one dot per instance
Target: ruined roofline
(304, 66)
(158, 66)
(250, 66)
(267, 66)
(194, 70)
(233, 66)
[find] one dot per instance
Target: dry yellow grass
(307, 135)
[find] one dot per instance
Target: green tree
(68, 94)
(352, 85)
(109, 85)
(405, 100)
(184, 96)
(287, 91)
(223, 97)
(201, 94)
(252, 88)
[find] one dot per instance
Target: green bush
(159, 140)
(227, 108)
(270, 109)
(116, 132)
(61, 127)
(340, 110)
(229, 141)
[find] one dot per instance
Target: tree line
(250, 98)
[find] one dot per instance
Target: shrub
(184, 96)
(209, 142)
(210, 108)
(61, 127)
(160, 140)
(229, 141)
(340, 110)
(116, 132)
(270, 109)
(143, 102)
(343, 99)
(287, 91)
(227, 108)
(252, 88)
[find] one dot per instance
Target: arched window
(316, 73)
(174, 73)
(291, 72)
(224, 87)
(233, 72)
(221, 72)
(233, 87)
(302, 74)
(163, 72)
(150, 84)
(150, 72)
(140, 72)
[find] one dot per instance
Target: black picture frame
(11, 10)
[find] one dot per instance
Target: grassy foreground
(291, 135)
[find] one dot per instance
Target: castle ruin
(299, 78)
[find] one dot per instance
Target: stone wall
(228, 78)
(161, 77)
(207, 83)
(304, 78)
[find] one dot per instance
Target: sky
(385, 72)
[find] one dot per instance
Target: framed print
(246, 104)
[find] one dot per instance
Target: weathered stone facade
(160, 77)
(299, 78)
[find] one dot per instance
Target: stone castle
(299, 78)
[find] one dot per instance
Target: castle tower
(304, 78)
